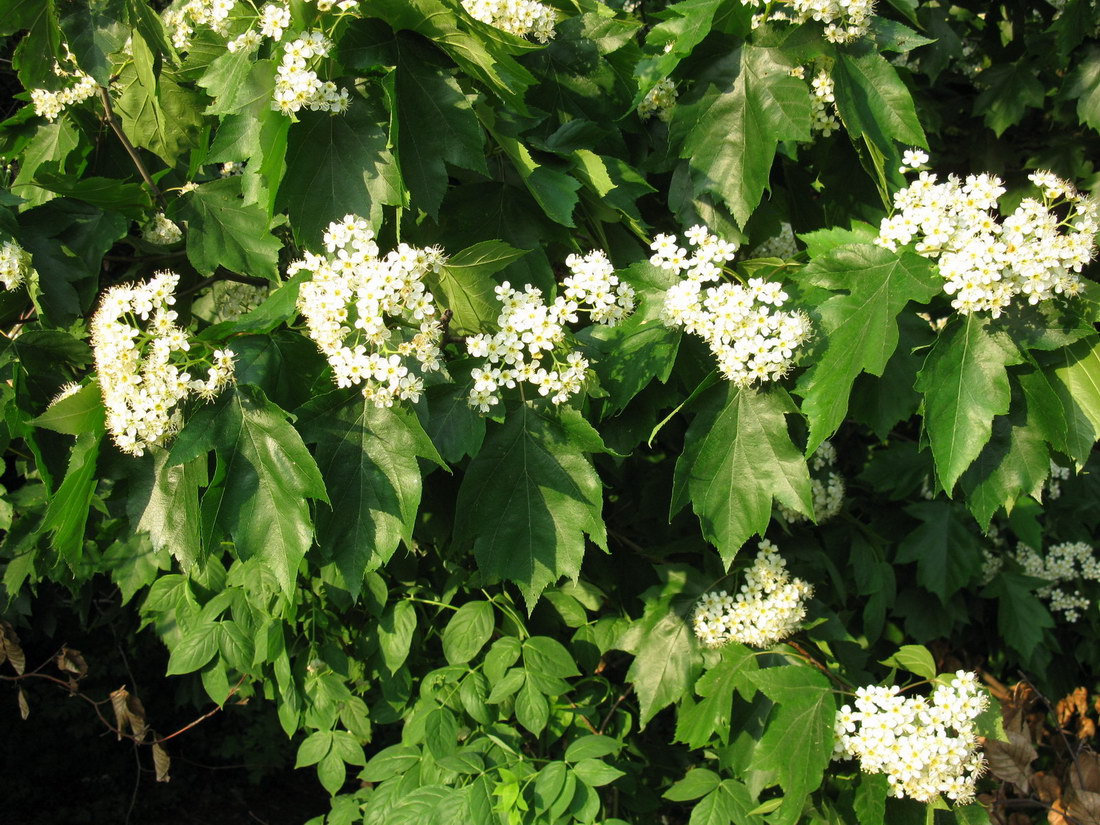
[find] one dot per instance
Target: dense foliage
(430, 372)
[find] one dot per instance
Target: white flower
(659, 101)
(1035, 253)
(1068, 563)
(531, 334)
(161, 231)
(15, 264)
(298, 87)
(926, 746)
(143, 360)
(525, 18)
(372, 315)
(768, 608)
(751, 337)
(827, 486)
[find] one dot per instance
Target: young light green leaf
(164, 502)
(914, 658)
(67, 513)
(80, 412)
(1076, 380)
(395, 633)
(465, 287)
(696, 724)
(873, 101)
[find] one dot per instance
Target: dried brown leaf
(1055, 816)
(136, 711)
(70, 661)
(9, 642)
(1019, 819)
(1047, 787)
(1011, 760)
(1086, 728)
(1085, 773)
(1084, 809)
(162, 762)
(122, 715)
(1020, 699)
(24, 708)
(1074, 703)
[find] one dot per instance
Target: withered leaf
(10, 649)
(162, 762)
(1011, 760)
(1086, 728)
(1075, 702)
(71, 661)
(136, 713)
(1084, 809)
(118, 705)
(1086, 773)
(24, 708)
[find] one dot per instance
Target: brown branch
(109, 114)
(202, 718)
(614, 707)
(224, 275)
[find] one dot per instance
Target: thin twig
(109, 114)
(614, 707)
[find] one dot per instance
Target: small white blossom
(525, 18)
(844, 20)
(1035, 253)
(749, 334)
(767, 609)
(144, 362)
(530, 346)
(161, 231)
(659, 101)
(926, 746)
(371, 315)
(1065, 566)
(15, 264)
(827, 486)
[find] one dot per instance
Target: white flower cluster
(1053, 484)
(926, 746)
(162, 231)
(823, 104)
(15, 264)
(182, 20)
(780, 245)
(659, 101)
(50, 104)
(827, 486)
(525, 18)
(767, 609)
(274, 20)
(143, 363)
(371, 315)
(297, 86)
(1071, 561)
(1035, 252)
(845, 20)
(532, 332)
(752, 339)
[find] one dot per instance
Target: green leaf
(529, 498)
(67, 513)
(1010, 90)
(455, 428)
(531, 709)
(222, 230)
(52, 142)
(737, 458)
(129, 199)
(965, 385)
(870, 799)
(440, 731)
(467, 632)
(745, 104)
(1076, 380)
(163, 116)
(74, 414)
(1084, 84)
(798, 742)
(596, 773)
(390, 762)
(466, 288)
(165, 504)
(686, 25)
(269, 477)
(553, 190)
(592, 746)
(915, 659)
(368, 458)
(548, 663)
(94, 30)
(437, 125)
(237, 81)
(1016, 460)
(696, 724)
(666, 660)
(696, 783)
(395, 633)
(861, 327)
(336, 166)
(629, 355)
(873, 101)
(946, 552)
(196, 646)
(729, 802)
(314, 748)
(1021, 617)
